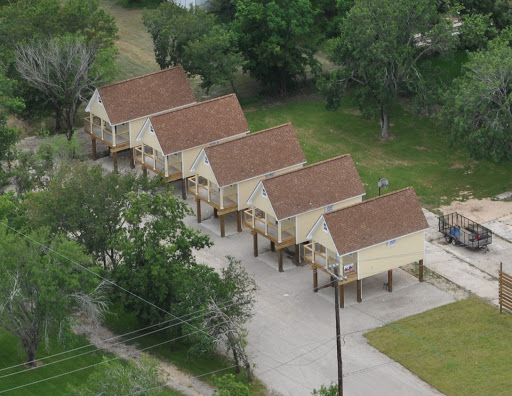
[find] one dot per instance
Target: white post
(143, 151)
(102, 129)
(197, 184)
(114, 132)
(279, 239)
(166, 165)
(208, 189)
(253, 217)
(221, 198)
(154, 159)
(91, 122)
(266, 224)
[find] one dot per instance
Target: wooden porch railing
(505, 290)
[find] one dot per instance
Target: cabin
(118, 111)
(367, 239)
(284, 208)
(169, 143)
(226, 174)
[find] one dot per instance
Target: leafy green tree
(39, 288)
(214, 57)
(112, 378)
(378, 52)
(153, 244)
(476, 31)
(478, 107)
(275, 40)
(86, 203)
(228, 301)
(173, 27)
(9, 136)
(225, 10)
(227, 385)
(65, 71)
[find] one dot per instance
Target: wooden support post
(390, 280)
(184, 188)
(114, 156)
(215, 214)
(331, 283)
(280, 259)
(296, 258)
(239, 221)
(222, 226)
(342, 296)
(255, 243)
(93, 143)
(359, 294)
(420, 273)
(315, 280)
(198, 210)
(132, 158)
(272, 246)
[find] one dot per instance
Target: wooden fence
(505, 290)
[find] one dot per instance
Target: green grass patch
(418, 155)
(462, 348)
(175, 352)
(12, 355)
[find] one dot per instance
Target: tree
(39, 288)
(153, 244)
(113, 378)
(275, 40)
(9, 136)
(228, 302)
(478, 107)
(476, 31)
(225, 10)
(173, 27)
(214, 57)
(227, 385)
(85, 203)
(378, 52)
(66, 71)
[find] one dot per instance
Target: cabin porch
(169, 166)
(280, 233)
(223, 199)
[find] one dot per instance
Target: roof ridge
(372, 199)
(195, 104)
(143, 76)
(308, 166)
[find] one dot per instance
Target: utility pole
(338, 331)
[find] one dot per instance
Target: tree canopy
(378, 51)
(478, 107)
(275, 38)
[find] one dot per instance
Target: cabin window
(391, 243)
(329, 208)
(264, 193)
(325, 227)
(206, 160)
(151, 129)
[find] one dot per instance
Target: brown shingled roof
(314, 186)
(145, 95)
(376, 220)
(255, 155)
(199, 124)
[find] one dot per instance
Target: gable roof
(199, 124)
(376, 220)
(145, 95)
(314, 186)
(255, 155)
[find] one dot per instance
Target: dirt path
(172, 375)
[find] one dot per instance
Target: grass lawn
(418, 155)
(12, 355)
(461, 349)
(123, 322)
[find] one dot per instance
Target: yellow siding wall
(189, 156)
(324, 238)
(382, 258)
(135, 127)
(205, 171)
(262, 203)
(98, 110)
(348, 202)
(150, 140)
